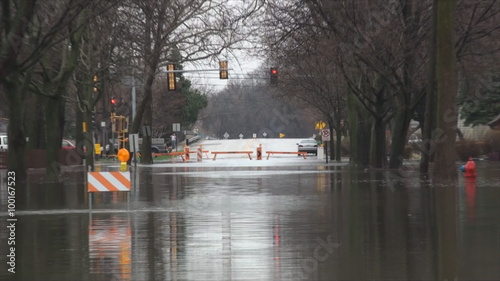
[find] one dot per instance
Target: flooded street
(299, 220)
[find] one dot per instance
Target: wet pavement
(296, 220)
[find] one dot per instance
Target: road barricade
(108, 181)
(303, 153)
(215, 153)
(204, 152)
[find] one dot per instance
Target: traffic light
(113, 104)
(274, 75)
(223, 74)
(95, 79)
(171, 83)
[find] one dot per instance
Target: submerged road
(286, 218)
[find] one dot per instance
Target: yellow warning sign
(282, 135)
(320, 125)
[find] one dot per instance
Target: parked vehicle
(414, 139)
(66, 144)
(157, 146)
(3, 142)
(308, 145)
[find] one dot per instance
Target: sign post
(134, 146)
(176, 127)
(325, 137)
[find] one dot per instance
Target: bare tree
(28, 33)
(199, 29)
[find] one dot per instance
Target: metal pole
(134, 98)
(134, 101)
(326, 151)
(90, 201)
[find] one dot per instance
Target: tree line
(376, 65)
(63, 61)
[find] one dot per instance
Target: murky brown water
(259, 223)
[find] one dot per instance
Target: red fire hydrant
(470, 169)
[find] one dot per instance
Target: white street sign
(325, 135)
(134, 143)
(226, 135)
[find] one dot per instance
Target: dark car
(308, 145)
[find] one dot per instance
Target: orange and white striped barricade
(108, 181)
(259, 152)
(186, 150)
(199, 154)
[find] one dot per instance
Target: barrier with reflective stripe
(108, 181)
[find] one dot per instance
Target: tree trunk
(89, 140)
(79, 135)
(399, 137)
(53, 136)
(144, 110)
(430, 98)
(34, 122)
(377, 149)
(331, 149)
(338, 133)
(445, 167)
(147, 157)
(16, 134)
(360, 128)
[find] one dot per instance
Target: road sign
(264, 134)
(134, 143)
(320, 125)
(282, 135)
(226, 135)
(241, 136)
(325, 135)
(176, 127)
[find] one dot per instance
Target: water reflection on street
(297, 222)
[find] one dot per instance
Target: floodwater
(302, 221)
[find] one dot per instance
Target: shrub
(468, 148)
(345, 145)
(492, 138)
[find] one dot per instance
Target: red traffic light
(274, 75)
(113, 101)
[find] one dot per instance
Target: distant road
(278, 144)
